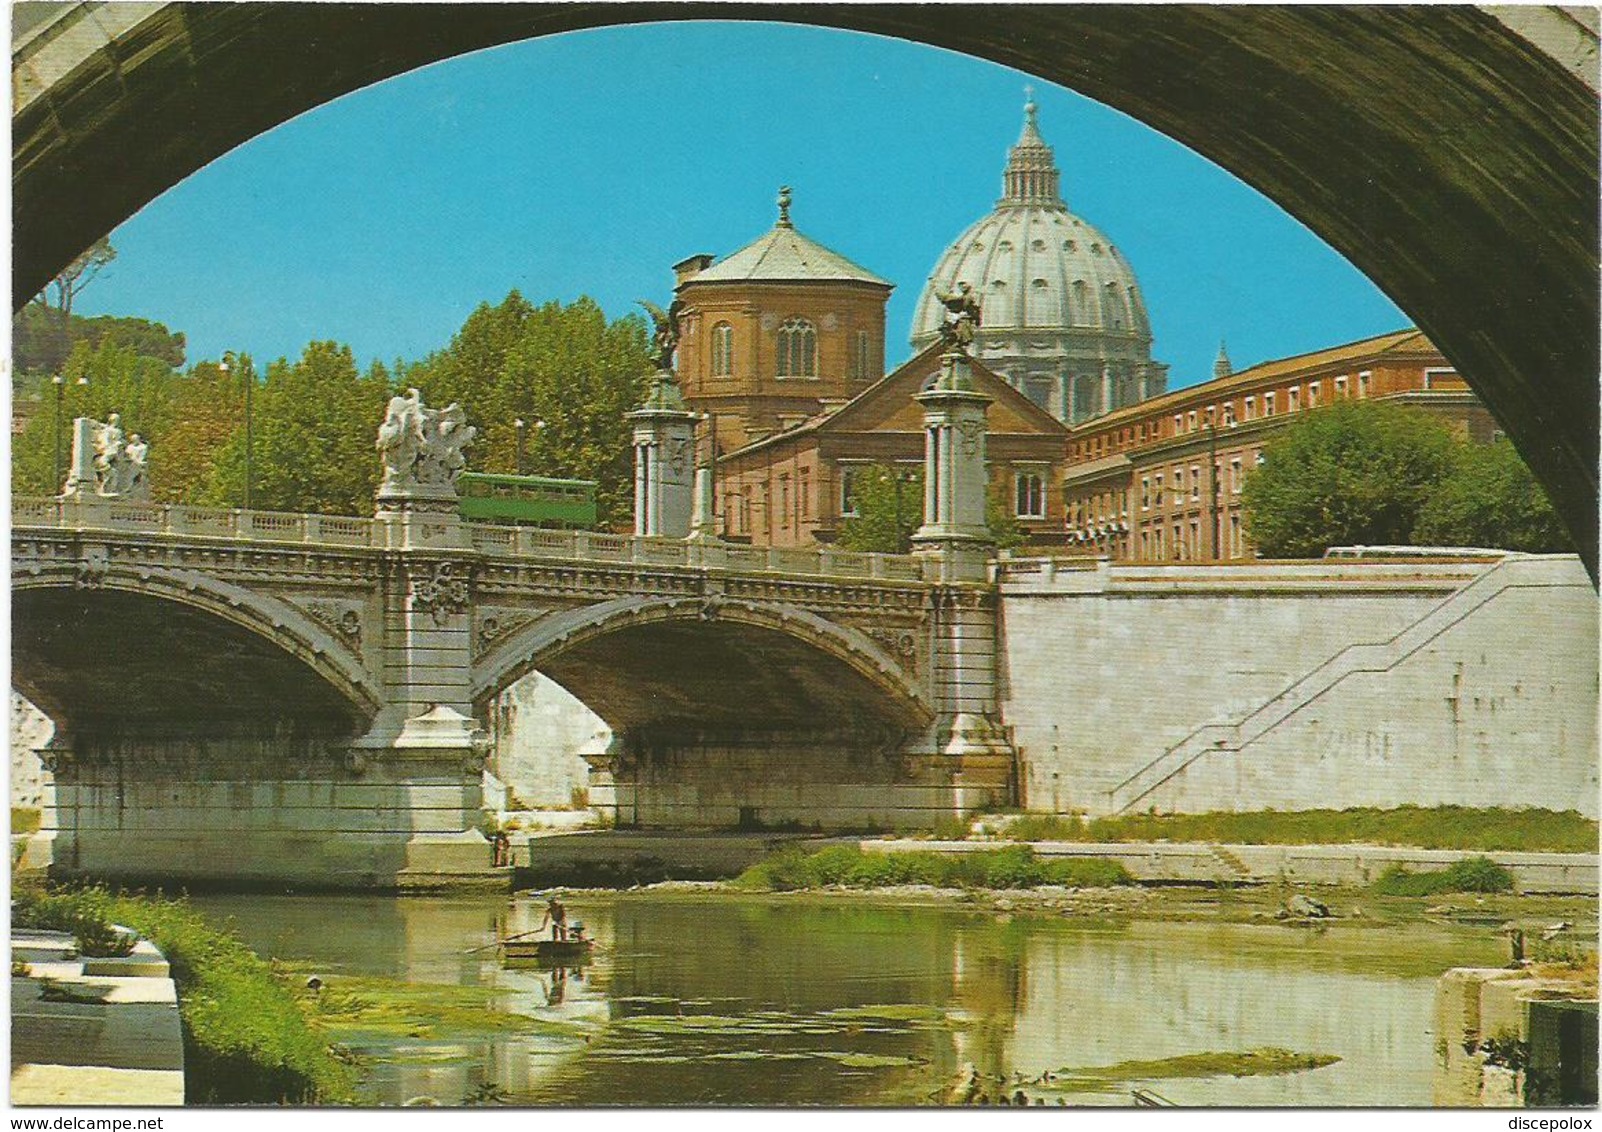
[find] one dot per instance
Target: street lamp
(225, 366)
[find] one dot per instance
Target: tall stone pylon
(973, 757)
(664, 441)
(954, 530)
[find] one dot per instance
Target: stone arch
(899, 698)
(1437, 200)
(277, 623)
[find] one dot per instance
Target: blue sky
(589, 163)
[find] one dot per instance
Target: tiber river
(796, 1000)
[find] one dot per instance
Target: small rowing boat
(552, 952)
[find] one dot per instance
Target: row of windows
(1252, 407)
(1151, 487)
(797, 353)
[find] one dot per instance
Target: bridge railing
(179, 520)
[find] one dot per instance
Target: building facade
(1161, 481)
(1063, 319)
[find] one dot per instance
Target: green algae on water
(1264, 1062)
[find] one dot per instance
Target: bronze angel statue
(665, 335)
(962, 316)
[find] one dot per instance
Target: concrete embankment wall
(1189, 688)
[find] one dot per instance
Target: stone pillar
(954, 533)
(703, 526)
(664, 445)
(1106, 388)
(81, 472)
(971, 755)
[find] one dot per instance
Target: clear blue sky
(589, 163)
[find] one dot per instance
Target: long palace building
(783, 351)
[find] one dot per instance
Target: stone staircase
(1379, 656)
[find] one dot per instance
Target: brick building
(1161, 481)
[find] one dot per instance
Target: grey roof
(785, 255)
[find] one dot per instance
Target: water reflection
(804, 1001)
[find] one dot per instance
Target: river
(807, 1000)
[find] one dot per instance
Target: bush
(1016, 866)
(1473, 874)
(246, 1040)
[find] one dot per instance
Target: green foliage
(566, 372)
(1351, 473)
(1252, 1063)
(246, 1040)
(1490, 498)
(889, 505)
(313, 423)
(24, 819)
(1001, 518)
(1013, 867)
(1434, 827)
(42, 339)
(1475, 874)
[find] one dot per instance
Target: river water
(805, 1000)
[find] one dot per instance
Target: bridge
(291, 697)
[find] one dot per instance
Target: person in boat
(556, 916)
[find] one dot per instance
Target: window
(1314, 388)
(1342, 386)
(848, 502)
(1195, 538)
(1157, 491)
(1251, 408)
(1145, 493)
(1363, 380)
(1234, 534)
(1195, 484)
(1190, 421)
(798, 349)
(1234, 476)
(1179, 424)
(1178, 545)
(1179, 486)
(1293, 399)
(1268, 404)
(804, 490)
(722, 350)
(862, 356)
(1229, 415)
(1030, 488)
(1257, 458)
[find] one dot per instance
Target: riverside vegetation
(1421, 827)
(246, 1039)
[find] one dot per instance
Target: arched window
(722, 350)
(1030, 496)
(798, 348)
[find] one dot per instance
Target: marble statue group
(420, 446)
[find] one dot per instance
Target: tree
(566, 372)
(208, 410)
(889, 509)
(313, 424)
(117, 380)
(1490, 498)
(60, 292)
(1351, 473)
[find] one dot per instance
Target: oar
(498, 942)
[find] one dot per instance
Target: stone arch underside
(126, 660)
(683, 671)
(1448, 159)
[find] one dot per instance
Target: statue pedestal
(421, 517)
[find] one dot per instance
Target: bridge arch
(146, 652)
(1475, 146)
(698, 665)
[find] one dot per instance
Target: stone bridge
(246, 695)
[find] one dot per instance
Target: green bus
(531, 500)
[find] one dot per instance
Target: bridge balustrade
(175, 519)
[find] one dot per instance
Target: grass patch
(246, 1040)
(25, 819)
(1476, 874)
(1434, 827)
(1013, 867)
(1252, 1063)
